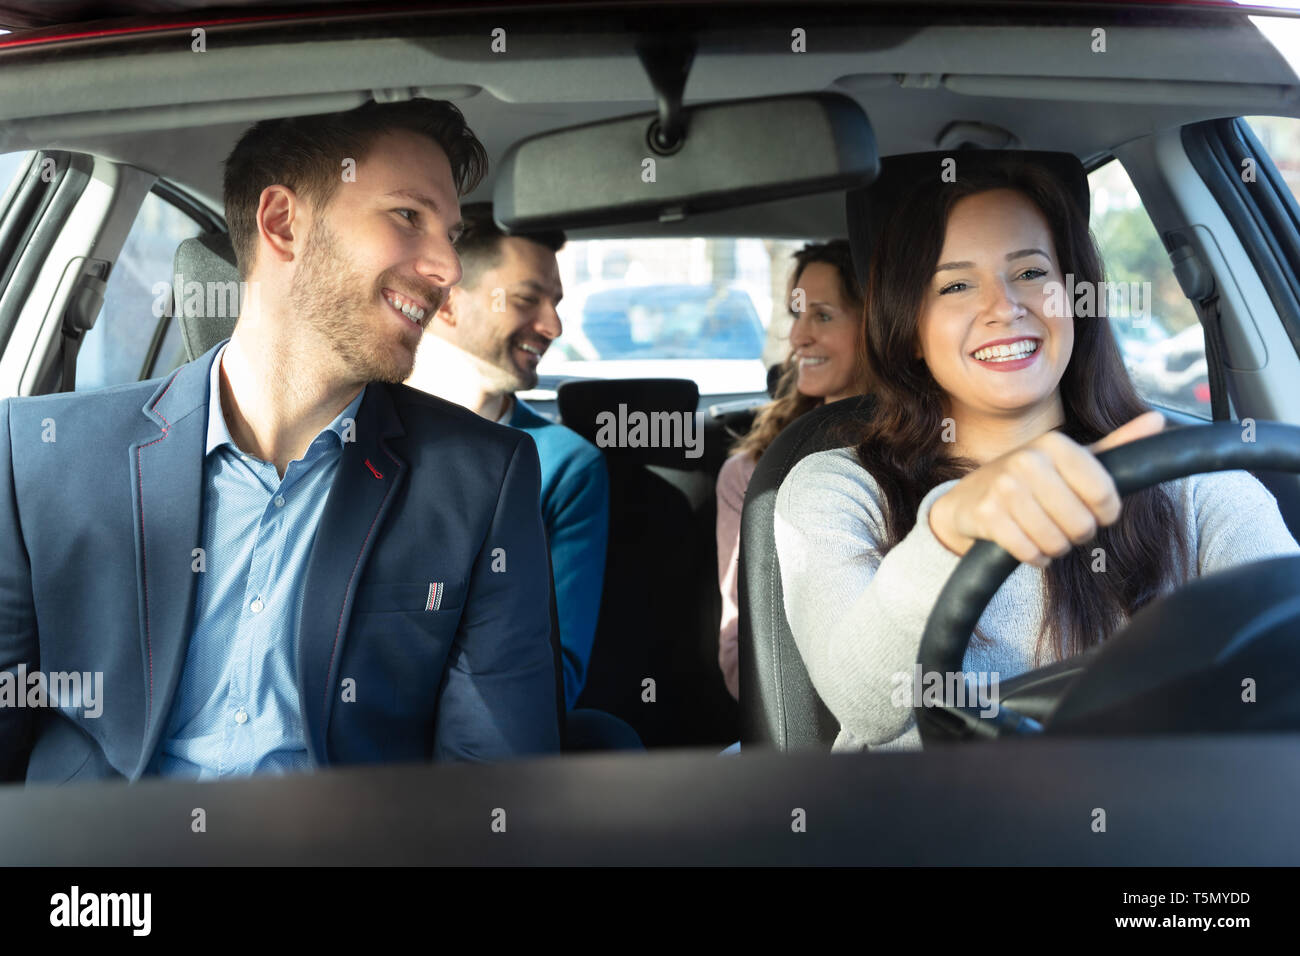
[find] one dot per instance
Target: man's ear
(279, 223)
(449, 314)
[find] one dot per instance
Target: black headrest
(869, 207)
(207, 293)
(779, 706)
(608, 412)
(774, 378)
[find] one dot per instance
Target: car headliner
(176, 112)
(27, 14)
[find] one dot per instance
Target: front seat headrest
(590, 407)
(869, 207)
(207, 293)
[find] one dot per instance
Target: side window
(171, 352)
(115, 350)
(12, 184)
(1156, 326)
(1280, 137)
(11, 164)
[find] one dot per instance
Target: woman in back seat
(824, 365)
(993, 393)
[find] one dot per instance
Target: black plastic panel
(1168, 801)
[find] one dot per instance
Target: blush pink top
(733, 479)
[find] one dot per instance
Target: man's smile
(413, 309)
(532, 350)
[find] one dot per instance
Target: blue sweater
(575, 511)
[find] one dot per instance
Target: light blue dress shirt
(236, 709)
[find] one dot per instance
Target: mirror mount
(667, 62)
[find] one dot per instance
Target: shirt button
(256, 606)
(241, 716)
(243, 458)
(279, 501)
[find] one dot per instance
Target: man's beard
(506, 375)
(334, 303)
(496, 356)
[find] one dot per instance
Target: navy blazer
(97, 535)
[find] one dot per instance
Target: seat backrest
(660, 607)
(779, 706)
(209, 309)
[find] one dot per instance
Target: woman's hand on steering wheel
(1039, 500)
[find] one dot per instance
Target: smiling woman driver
(990, 408)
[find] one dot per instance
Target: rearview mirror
(734, 154)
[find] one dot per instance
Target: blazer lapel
(167, 491)
(365, 486)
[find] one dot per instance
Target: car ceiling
(177, 113)
(35, 14)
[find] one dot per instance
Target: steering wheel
(1222, 653)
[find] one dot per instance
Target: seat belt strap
(1197, 282)
(84, 303)
(71, 344)
(1215, 355)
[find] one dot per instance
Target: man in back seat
(279, 557)
(484, 345)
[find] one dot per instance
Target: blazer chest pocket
(443, 598)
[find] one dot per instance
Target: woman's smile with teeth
(1006, 352)
(405, 306)
(807, 360)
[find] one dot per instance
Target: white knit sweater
(858, 619)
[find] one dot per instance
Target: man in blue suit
(279, 557)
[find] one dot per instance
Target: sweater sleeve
(1237, 521)
(856, 618)
(733, 479)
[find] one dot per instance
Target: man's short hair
(479, 246)
(306, 153)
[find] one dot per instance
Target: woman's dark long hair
(902, 445)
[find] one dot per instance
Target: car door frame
(87, 220)
(1261, 361)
